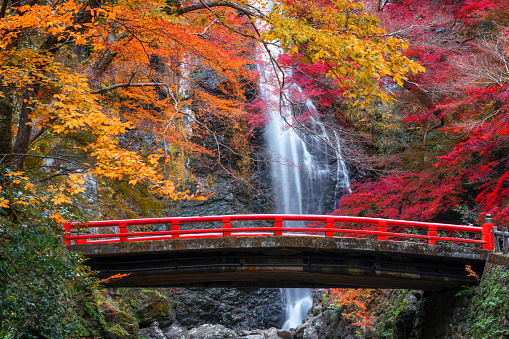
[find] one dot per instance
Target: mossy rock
(118, 321)
(148, 305)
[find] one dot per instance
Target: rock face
(230, 195)
(238, 309)
(440, 315)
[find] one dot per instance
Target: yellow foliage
(350, 42)
(4, 203)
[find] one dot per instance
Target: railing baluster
(80, 241)
(278, 223)
(505, 235)
(329, 224)
(226, 225)
(122, 228)
(175, 228)
(504, 239)
(496, 241)
(382, 227)
(432, 232)
(67, 233)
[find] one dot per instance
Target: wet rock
(319, 306)
(310, 328)
(208, 331)
(176, 331)
(284, 334)
(252, 335)
(271, 333)
(152, 332)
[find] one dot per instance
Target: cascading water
(299, 170)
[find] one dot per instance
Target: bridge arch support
(284, 261)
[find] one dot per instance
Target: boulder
(208, 331)
(176, 331)
(271, 333)
(152, 332)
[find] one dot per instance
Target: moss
(118, 319)
(393, 312)
(487, 310)
(128, 309)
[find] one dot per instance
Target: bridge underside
(284, 261)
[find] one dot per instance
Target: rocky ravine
(321, 322)
(480, 311)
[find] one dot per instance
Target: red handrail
(329, 229)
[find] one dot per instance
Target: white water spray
(299, 170)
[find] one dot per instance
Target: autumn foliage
(352, 305)
(442, 148)
(128, 92)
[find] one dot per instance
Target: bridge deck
(284, 261)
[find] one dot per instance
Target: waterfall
(299, 166)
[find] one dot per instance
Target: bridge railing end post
(487, 236)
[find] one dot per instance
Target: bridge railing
(325, 226)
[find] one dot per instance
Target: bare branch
(208, 5)
(127, 84)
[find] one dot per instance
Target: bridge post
(278, 223)
(487, 236)
(122, 228)
(382, 227)
(67, 233)
(329, 224)
(432, 232)
(175, 228)
(226, 226)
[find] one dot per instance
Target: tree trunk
(5, 129)
(22, 140)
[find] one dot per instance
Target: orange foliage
(352, 303)
(112, 278)
(128, 75)
(472, 273)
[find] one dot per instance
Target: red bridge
(274, 251)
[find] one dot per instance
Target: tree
(451, 162)
(92, 75)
